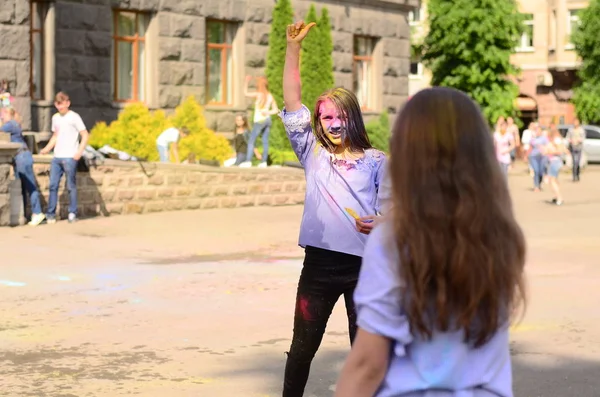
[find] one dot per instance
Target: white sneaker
(36, 219)
(246, 164)
(72, 217)
(262, 165)
(51, 221)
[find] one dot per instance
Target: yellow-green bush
(204, 143)
(136, 129)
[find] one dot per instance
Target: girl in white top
(264, 107)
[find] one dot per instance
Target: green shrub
(283, 15)
(136, 129)
(379, 132)
(279, 157)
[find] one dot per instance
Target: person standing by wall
(264, 107)
(23, 164)
(67, 128)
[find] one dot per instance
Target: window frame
(135, 40)
(420, 70)
(415, 16)
(224, 48)
(572, 17)
(368, 106)
(34, 7)
(530, 21)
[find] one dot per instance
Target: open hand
(298, 31)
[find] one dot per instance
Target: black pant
(576, 155)
(325, 276)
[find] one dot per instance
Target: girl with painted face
(343, 175)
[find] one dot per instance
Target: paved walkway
(199, 303)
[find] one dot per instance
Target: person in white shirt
(67, 127)
(169, 139)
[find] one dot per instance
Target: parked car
(591, 146)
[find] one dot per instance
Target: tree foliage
(316, 60)
(136, 129)
(587, 44)
(468, 47)
(283, 15)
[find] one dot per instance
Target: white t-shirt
(526, 138)
(67, 128)
(168, 136)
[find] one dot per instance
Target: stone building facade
(107, 52)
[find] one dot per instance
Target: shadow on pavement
(535, 374)
(542, 374)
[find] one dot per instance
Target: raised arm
(292, 97)
(246, 92)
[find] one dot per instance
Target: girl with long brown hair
(264, 107)
(443, 274)
(343, 177)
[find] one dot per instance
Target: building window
(416, 69)
(219, 62)
(526, 40)
(129, 55)
(414, 16)
(572, 25)
(38, 11)
(553, 30)
(363, 70)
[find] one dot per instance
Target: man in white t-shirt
(67, 127)
(169, 138)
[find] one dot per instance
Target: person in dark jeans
(23, 164)
(576, 137)
(343, 177)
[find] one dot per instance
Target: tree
(283, 15)
(324, 24)
(310, 61)
(468, 47)
(316, 62)
(587, 44)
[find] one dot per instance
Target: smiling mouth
(335, 135)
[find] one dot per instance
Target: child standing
(443, 274)
(342, 171)
(67, 128)
(240, 139)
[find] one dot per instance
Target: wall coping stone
(8, 151)
(47, 159)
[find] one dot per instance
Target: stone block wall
(176, 49)
(14, 53)
(136, 188)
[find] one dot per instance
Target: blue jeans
(163, 152)
(537, 164)
(58, 167)
(240, 158)
(257, 129)
(24, 171)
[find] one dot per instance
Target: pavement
(200, 303)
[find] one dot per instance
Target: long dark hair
(346, 103)
(462, 252)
